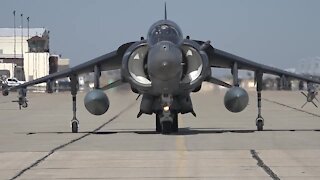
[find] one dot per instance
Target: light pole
(28, 21)
(14, 33)
(22, 35)
(23, 76)
(14, 43)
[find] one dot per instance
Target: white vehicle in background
(13, 82)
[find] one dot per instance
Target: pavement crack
(297, 109)
(261, 164)
(37, 162)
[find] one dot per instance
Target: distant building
(27, 55)
(26, 62)
(63, 64)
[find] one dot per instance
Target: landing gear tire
(175, 127)
(166, 127)
(259, 123)
(25, 105)
(158, 124)
(74, 126)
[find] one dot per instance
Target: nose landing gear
(167, 122)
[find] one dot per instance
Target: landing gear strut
(74, 90)
(259, 120)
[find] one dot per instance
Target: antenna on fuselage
(165, 11)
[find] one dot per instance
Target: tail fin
(165, 11)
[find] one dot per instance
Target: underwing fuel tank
(96, 102)
(236, 99)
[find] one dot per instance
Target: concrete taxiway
(36, 143)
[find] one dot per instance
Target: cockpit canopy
(164, 30)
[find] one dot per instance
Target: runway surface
(36, 143)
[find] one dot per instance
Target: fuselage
(165, 68)
(165, 63)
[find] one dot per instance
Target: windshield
(164, 31)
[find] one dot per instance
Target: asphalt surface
(36, 143)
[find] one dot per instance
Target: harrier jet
(164, 69)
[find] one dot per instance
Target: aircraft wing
(109, 61)
(222, 59)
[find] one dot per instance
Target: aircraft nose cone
(164, 61)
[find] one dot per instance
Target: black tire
(175, 126)
(158, 124)
(259, 125)
(74, 126)
(25, 105)
(166, 127)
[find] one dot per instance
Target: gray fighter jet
(164, 68)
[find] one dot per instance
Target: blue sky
(273, 32)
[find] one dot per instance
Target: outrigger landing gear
(259, 120)
(22, 100)
(74, 89)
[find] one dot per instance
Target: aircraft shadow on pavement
(182, 131)
(68, 132)
(190, 131)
